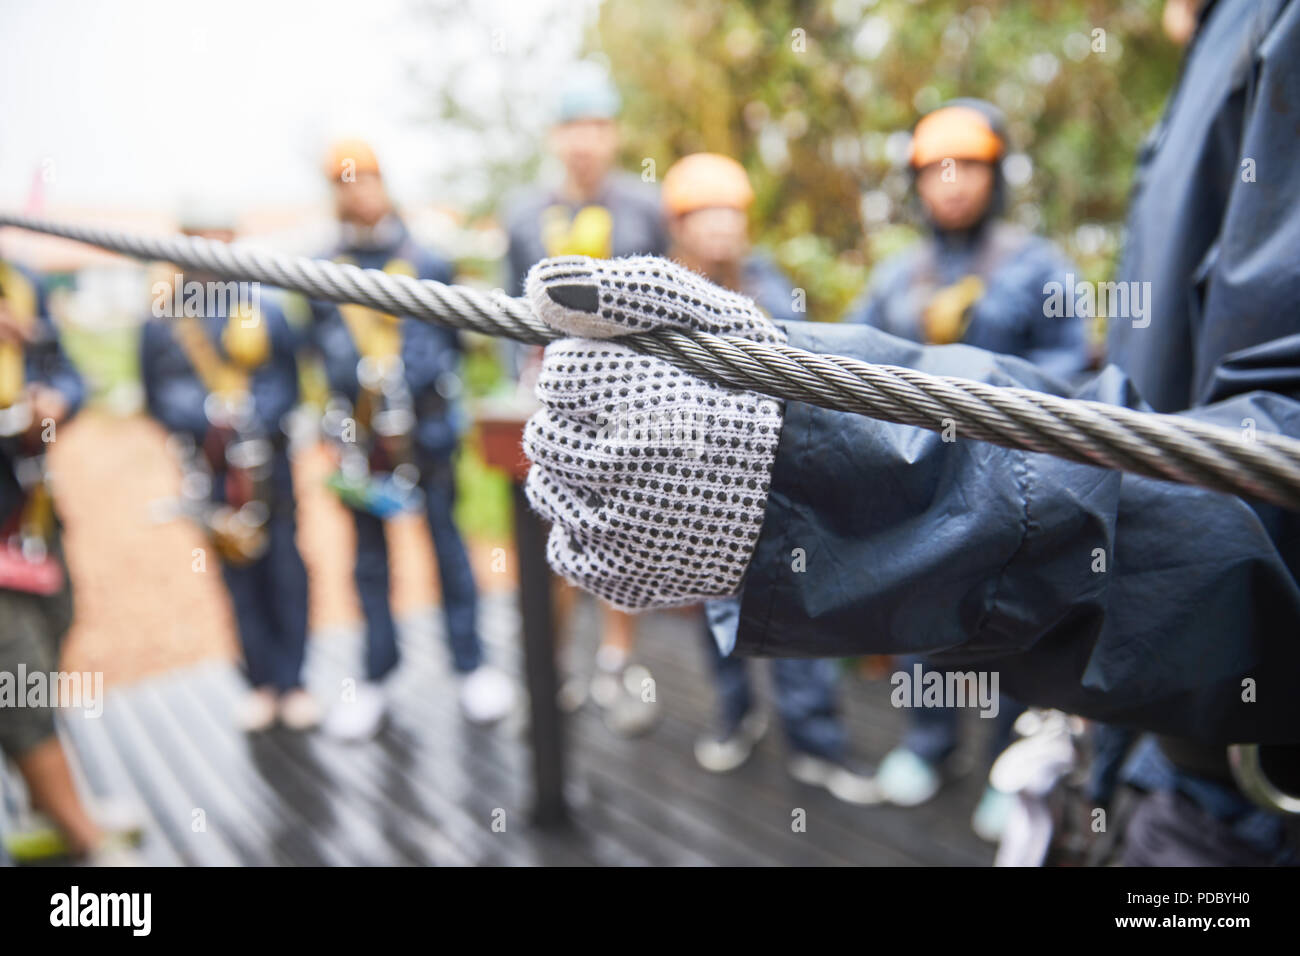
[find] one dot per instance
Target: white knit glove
(655, 481)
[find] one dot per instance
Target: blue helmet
(587, 93)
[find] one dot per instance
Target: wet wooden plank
(429, 788)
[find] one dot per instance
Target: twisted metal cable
(1169, 447)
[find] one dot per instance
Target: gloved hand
(655, 481)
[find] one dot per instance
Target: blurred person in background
(706, 200)
(219, 372)
(978, 279)
(599, 211)
(595, 210)
(393, 413)
(39, 391)
(975, 278)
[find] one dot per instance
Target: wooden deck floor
(429, 789)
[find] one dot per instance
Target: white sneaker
(359, 718)
(256, 712)
(842, 780)
(990, 818)
(114, 851)
(606, 688)
(299, 710)
(718, 754)
(571, 695)
(36, 839)
(486, 695)
(625, 707)
(906, 780)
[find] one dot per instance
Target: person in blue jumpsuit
(1137, 602)
(426, 361)
(974, 278)
(598, 210)
(706, 200)
(40, 391)
(978, 279)
(595, 209)
(229, 389)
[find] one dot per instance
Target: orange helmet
(956, 131)
(704, 180)
(354, 155)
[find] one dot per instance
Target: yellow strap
(20, 294)
(589, 233)
(13, 374)
(37, 519)
(948, 313)
(377, 334)
(218, 376)
(246, 338)
(20, 298)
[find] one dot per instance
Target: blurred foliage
(107, 359)
(816, 99)
(482, 494)
(489, 88)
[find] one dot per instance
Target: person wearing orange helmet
(979, 280)
(975, 278)
(706, 200)
(396, 423)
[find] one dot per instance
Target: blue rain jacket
(1019, 271)
(969, 552)
(174, 394)
(45, 363)
(430, 353)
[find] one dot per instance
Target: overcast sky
(146, 103)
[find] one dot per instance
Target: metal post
(546, 730)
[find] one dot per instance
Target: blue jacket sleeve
(274, 386)
(47, 362)
(770, 288)
(172, 393)
(438, 269)
(1056, 344)
(887, 282)
(1245, 291)
(1113, 596)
